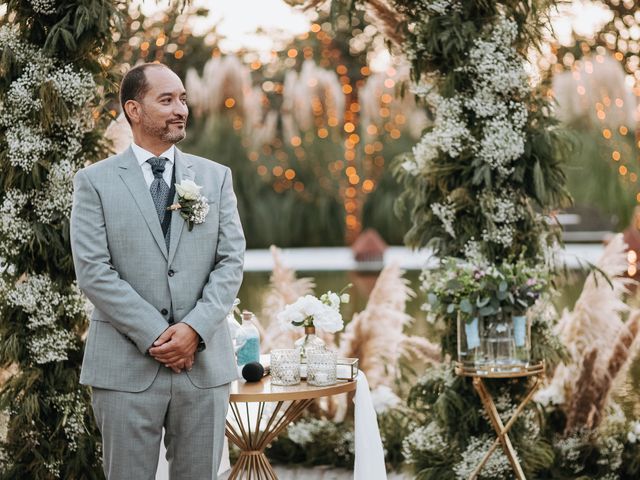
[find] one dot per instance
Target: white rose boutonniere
(192, 205)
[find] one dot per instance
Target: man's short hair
(134, 85)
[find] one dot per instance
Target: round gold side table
(252, 429)
(537, 372)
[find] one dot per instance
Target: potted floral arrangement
(489, 302)
(312, 312)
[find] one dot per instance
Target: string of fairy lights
(620, 39)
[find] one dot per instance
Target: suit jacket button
(171, 273)
(164, 311)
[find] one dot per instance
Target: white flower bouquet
(309, 311)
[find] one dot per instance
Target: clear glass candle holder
(285, 367)
(321, 367)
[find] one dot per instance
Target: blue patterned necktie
(159, 190)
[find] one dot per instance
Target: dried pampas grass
(596, 319)
(593, 387)
(581, 409)
(599, 341)
(375, 336)
(387, 19)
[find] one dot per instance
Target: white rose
(188, 190)
(290, 314)
(310, 305)
(297, 311)
(328, 320)
(345, 297)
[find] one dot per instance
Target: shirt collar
(143, 155)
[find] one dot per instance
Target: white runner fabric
(369, 462)
(369, 454)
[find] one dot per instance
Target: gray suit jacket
(123, 266)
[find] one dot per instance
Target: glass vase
(309, 341)
(496, 343)
(469, 351)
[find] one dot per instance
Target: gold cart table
(537, 372)
(252, 427)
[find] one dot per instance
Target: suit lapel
(184, 171)
(131, 174)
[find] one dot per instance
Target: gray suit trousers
(131, 424)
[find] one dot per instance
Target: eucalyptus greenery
(469, 291)
(54, 68)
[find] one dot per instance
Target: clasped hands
(176, 347)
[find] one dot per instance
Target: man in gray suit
(158, 352)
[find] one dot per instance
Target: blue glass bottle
(247, 340)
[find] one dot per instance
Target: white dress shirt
(143, 155)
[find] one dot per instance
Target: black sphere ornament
(252, 372)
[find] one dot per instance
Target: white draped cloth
(369, 454)
(369, 462)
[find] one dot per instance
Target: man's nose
(181, 108)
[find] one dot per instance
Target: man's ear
(133, 109)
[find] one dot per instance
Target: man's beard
(173, 136)
(165, 133)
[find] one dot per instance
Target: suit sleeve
(224, 281)
(128, 312)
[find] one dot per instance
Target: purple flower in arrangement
(479, 274)
(531, 282)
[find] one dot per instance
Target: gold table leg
(251, 440)
(501, 429)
